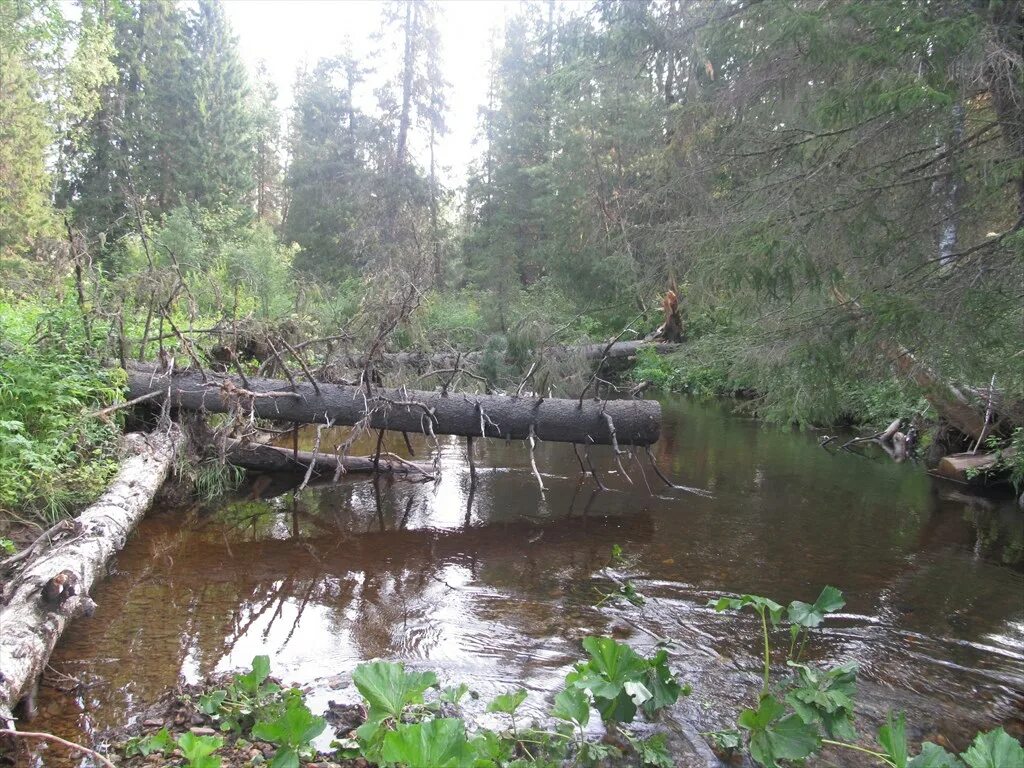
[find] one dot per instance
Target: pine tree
(220, 129)
(267, 145)
(25, 135)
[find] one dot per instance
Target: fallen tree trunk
(54, 587)
(972, 467)
(421, 361)
(603, 422)
(272, 458)
(949, 401)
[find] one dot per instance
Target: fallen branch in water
(39, 736)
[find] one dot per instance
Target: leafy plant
(292, 730)
(160, 741)
(775, 735)
(508, 703)
(621, 681)
(439, 743)
(198, 750)
(388, 690)
(244, 699)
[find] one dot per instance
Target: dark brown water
(496, 585)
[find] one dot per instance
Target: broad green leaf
(295, 727)
(507, 703)
(210, 703)
(934, 756)
(995, 749)
(665, 689)
(892, 736)
(251, 681)
(198, 750)
(616, 662)
(285, 757)
(573, 706)
(388, 688)
(758, 603)
(637, 692)
(804, 615)
(437, 743)
(654, 752)
(773, 737)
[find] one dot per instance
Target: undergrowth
(52, 455)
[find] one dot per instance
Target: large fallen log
(604, 422)
(54, 587)
(272, 458)
(973, 467)
(948, 400)
(423, 361)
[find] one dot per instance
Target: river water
(495, 583)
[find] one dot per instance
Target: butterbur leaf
(654, 752)
(295, 727)
(804, 615)
(893, 738)
(726, 741)
(388, 688)
(285, 757)
(664, 688)
(507, 703)
(615, 662)
(573, 706)
(995, 749)
(437, 743)
(198, 750)
(252, 680)
(636, 691)
(773, 737)
(454, 694)
(758, 603)
(210, 703)
(934, 756)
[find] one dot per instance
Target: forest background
(820, 181)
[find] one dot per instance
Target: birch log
(30, 625)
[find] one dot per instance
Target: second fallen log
(636, 422)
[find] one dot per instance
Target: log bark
(421, 361)
(31, 622)
(272, 458)
(970, 467)
(637, 422)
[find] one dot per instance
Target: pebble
(334, 682)
(153, 722)
(202, 731)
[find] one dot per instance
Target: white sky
(290, 33)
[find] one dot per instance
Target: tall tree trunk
(408, 64)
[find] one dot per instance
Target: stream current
(495, 583)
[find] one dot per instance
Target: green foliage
(825, 697)
(507, 703)
(160, 741)
(774, 735)
(198, 750)
(52, 456)
(620, 681)
(291, 730)
(249, 697)
(439, 743)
